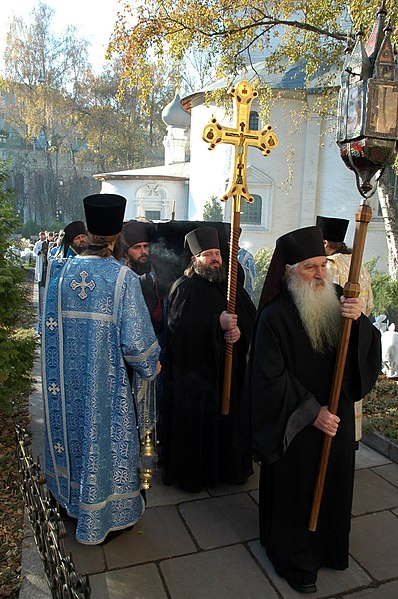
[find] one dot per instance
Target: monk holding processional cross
(241, 137)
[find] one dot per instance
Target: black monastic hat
(104, 213)
(135, 231)
(74, 229)
(333, 229)
(204, 238)
(291, 248)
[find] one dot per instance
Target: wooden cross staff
(241, 137)
(351, 289)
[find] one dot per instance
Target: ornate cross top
(241, 137)
(75, 285)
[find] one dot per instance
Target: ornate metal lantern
(367, 129)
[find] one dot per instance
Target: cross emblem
(241, 137)
(51, 323)
(74, 284)
(59, 448)
(54, 389)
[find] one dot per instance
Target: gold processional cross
(241, 137)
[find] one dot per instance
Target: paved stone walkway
(205, 546)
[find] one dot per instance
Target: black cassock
(200, 447)
(288, 384)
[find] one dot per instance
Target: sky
(94, 20)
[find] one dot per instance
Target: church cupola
(176, 141)
(173, 115)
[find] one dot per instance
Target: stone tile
(394, 452)
(372, 493)
(221, 520)
(377, 442)
(384, 591)
(389, 472)
(159, 534)
(34, 583)
(228, 572)
(395, 512)
(329, 582)
(256, 496)
(374, 544)
(160, 494)
(366, 457)
(250, 485)
(140, 582)
(88, 559)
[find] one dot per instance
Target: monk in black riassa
(200, 447)
(291, 372)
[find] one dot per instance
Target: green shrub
(17, 342)
(17, 354)
(385, 296)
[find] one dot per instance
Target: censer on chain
(148, 461)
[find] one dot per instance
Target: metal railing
(48, 528)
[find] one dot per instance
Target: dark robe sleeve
(281, 405)
(363, 359)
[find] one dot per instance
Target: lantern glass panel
(383, 110)
(355, 108)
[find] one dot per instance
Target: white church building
(302, 177)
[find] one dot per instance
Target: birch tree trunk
(389, 209)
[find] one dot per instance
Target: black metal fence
(48, 528)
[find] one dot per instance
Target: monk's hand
(233, 335)
(228, 321)
(350, 307)
(158, 367)
(326, 422)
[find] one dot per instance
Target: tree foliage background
(64, 123)
(230, 35)
(212, 210)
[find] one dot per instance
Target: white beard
(319, 310)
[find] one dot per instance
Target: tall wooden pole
(351, 289)
(231, 300)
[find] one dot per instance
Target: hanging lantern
(367, 129)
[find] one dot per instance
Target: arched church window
(254, 121)
(251, 213)
(152, 202)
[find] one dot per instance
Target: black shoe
(301, 587)
(113, 534)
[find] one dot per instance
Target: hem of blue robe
(114, 528)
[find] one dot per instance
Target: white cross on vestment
(74, 284)
(54, 389)
(59, 448)
(51, 323)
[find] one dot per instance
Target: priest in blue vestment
(95, 323)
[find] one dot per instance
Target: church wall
(210, 168)
(150, 194)
(307, 177)
(285, 194)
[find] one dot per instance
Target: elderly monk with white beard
(290, 377)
